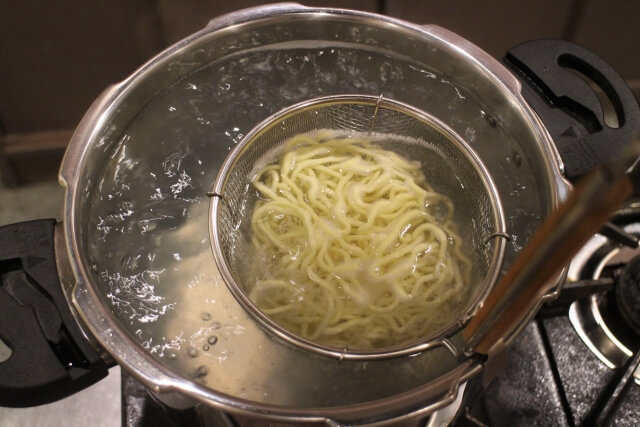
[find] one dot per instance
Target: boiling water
(148, 236)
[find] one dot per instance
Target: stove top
(577, 363)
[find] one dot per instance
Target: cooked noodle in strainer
(348, 246)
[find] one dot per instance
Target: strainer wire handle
(561, 236)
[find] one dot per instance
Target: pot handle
(553, 75)
(44, 355)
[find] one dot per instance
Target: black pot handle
(44, 356)
(569, 107)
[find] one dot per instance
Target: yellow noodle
(348, 248)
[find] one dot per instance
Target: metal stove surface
(553, 379)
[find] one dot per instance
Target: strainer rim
(441, 336)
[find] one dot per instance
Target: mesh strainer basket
(448, 163)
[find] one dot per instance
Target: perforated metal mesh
(448, 163)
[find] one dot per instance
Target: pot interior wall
(142, 210)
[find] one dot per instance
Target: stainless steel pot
(136, 177)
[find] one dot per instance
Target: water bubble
(192, 352)
(205, 316)
(212, 339)
(517, 160)
(202, 371)
(489, 118)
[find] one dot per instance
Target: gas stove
(576, 364)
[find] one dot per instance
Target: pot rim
(106, 329)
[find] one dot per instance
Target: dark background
(56, 57)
